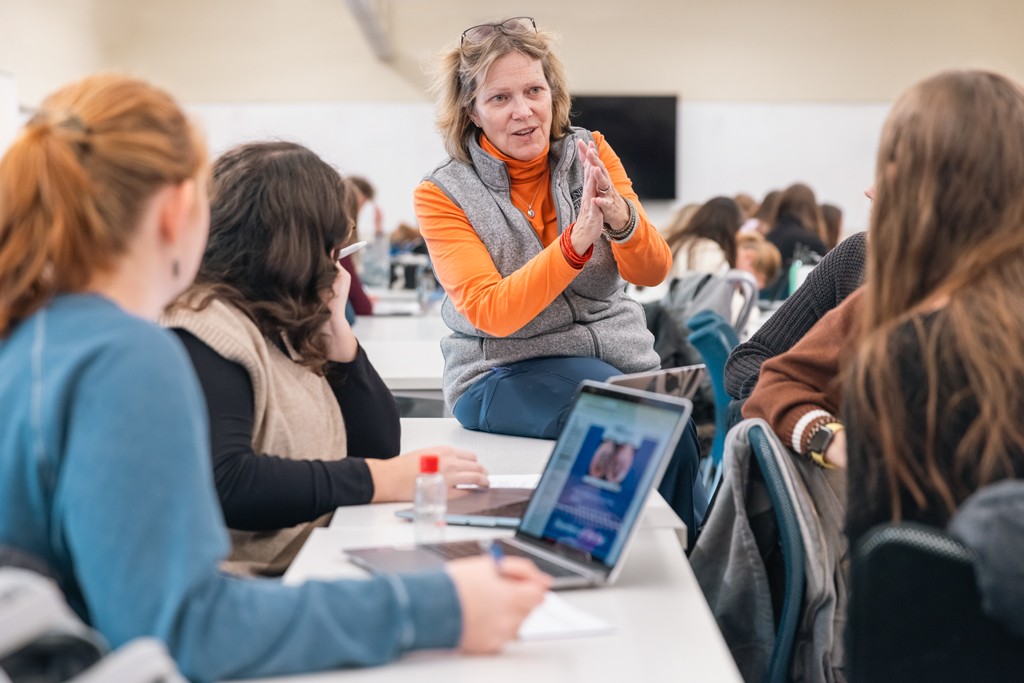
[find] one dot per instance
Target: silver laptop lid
(612, 451)
(682, 381)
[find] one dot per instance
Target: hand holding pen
(494, 548)
(495, 603)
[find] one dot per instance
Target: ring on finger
(604, 190)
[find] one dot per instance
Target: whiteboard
(393, 145)
(731, 147)
(723, 147)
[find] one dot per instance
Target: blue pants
(532, 398)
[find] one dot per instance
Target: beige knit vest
(295, 415)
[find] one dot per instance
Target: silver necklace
(529, 205)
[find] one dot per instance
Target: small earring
(175, 268)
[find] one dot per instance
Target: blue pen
(497, 553)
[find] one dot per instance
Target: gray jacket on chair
(731, 570)
(593, 317)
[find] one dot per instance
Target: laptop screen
(606, 458)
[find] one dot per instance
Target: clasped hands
(601, 203)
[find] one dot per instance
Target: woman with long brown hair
(300, 421)
(707, 243)
(935, 401)
(798, 226)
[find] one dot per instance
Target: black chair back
(915, 613)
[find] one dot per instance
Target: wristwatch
(820, 441)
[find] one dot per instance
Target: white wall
(46, 43)
(8, 109)
(772, 92)
(392, 144)
(730, 147)
(723, 147)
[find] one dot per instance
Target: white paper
(514, 481)
(556, 618)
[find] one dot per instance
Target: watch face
(820, 440)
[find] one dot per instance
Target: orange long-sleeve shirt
(500, 306)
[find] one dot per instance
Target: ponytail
(74, 183)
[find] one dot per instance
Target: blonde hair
(767, 258)
(74, 183)
(461, 70)
(947, 235)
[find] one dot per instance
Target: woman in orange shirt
(531, 226)
(533, 229)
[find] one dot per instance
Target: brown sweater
(799, 390)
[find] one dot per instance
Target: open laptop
(682, 381)
(504, 507)
(496, 506)
(613, 449)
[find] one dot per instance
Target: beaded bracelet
(624, 233)
(574, 259)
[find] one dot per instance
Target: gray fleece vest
(593, 317)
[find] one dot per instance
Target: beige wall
(772, 92)
(8, 109)
(312, 50)
(44, 43)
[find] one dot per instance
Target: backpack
(687, 296)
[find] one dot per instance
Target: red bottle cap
(428, 464)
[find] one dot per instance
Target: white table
(425, 327)
(500, 455)
(393, 302)
(406, 351)
(664, 630)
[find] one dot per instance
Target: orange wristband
(574, 259)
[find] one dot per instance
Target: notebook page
(557, 618)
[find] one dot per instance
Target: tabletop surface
(663, 628)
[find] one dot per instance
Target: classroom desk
(663, 627)
(500, 455)
(664, 630)
(408, 365)
(405, 350)
(424, 327)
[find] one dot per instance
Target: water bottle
(430, 502)
(426, 287)
(377, 263)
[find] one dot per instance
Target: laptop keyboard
(454, 550)
(508, 510)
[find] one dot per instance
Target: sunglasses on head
(510, 27)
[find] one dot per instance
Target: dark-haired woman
(799, 226)
(289, 390)
(707, 243)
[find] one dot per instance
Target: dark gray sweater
(835, 278)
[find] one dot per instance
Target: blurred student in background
(707, 243)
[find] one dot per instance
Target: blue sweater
(105, 474)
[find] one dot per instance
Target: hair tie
(47, 122)
(72, 122)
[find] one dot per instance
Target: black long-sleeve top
(868, 499)
(788, 234)
(262, 491)
(836, 277)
